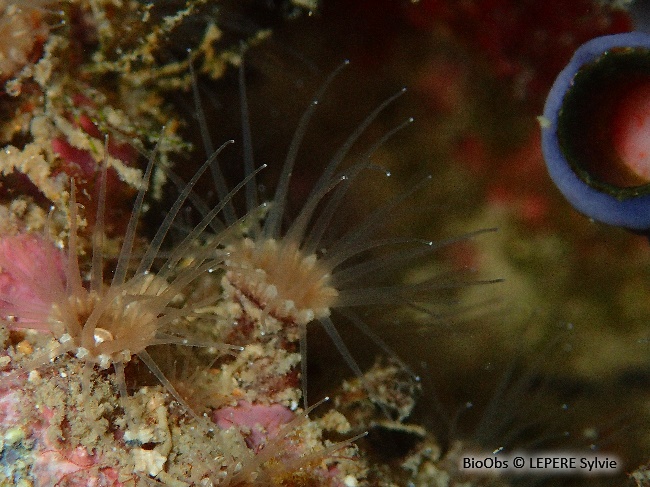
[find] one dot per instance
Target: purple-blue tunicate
(577, 136)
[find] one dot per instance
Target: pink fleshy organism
(257, 422)
(86, 122)
(33, 272)
(81, 161)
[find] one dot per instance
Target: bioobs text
(545, 463)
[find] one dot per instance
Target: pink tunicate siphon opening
(631, 130)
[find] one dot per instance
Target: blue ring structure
(629, 210)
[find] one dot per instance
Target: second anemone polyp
(596, 130)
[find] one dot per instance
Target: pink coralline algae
(53, 462)
(29, 266)
(256, 422)
(76, 467)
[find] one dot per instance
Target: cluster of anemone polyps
(291, 275)
(102, 325)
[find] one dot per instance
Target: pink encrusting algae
(260, 421)
(26, 259)
(54, 463)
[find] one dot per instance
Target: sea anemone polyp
(303, 271)
(103, 325)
